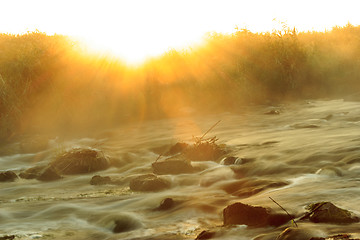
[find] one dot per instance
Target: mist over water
(308, 153)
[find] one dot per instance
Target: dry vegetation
(50, 83)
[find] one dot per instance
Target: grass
(48, 83)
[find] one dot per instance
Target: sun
(135, 30)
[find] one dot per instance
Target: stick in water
(210, 129)
(285, 211)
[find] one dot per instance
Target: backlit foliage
(51, 83)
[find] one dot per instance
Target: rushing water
(310, 152)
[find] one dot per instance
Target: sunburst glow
(138, 29)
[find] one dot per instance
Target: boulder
(173, 165)
(8, 176)
(80, 160)
(149, 183)
(327, 212)
(253, 216)
(99, 180)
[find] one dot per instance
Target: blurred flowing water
(310, 152)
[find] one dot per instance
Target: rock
(204, 151)
(173, 165)
(49, 174)
(273, 112)
(32, 173)
(335, 237)
(206, 234)
(298, 234)
(326, 212)
(239, 214)
(8, 176)
(99, 180)
(149, 183)
(42, 173)
(177, 148)
(328, 117)
(7, 237)
(126, 224)
(80, 160)
(166, 204)
(229, 160)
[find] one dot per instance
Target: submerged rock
(206, 234)
(326, 212)
(166, 204)
(99, 180)
(149, 183)
(298, 234)
(126, 224)
(273, 112)
(8, 176)
(253, 216)
(80, 160)
(173, 165)
(335, 237)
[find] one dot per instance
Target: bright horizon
(137, 29)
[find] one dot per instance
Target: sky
(136, 29)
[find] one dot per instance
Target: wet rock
(206, 234)
(300, 125)
(42, 173)
(250, 186)
(230, 160)
(330, 171)
(273, 112)
(173, 165)
(8, 176)
(149, 183)
(126, 224)
(298, 234)
(253, 216)
(32, 173)
(80, 160)
(326, 212)
(328, 117)
(335, 237)
(177, 148)
(49, 174)
(7, 237)
(204, 151)
(99, 180)
(166, 204)
(239, 213)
